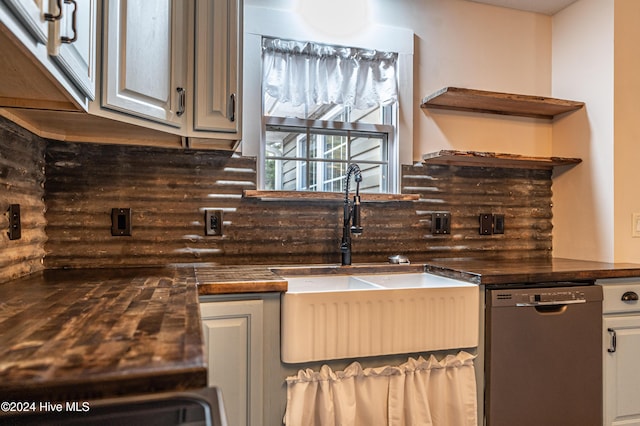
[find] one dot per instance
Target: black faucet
(351, 223)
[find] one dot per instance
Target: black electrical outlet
(15, 229)
(213, 222)
(486, 223)
(498, 224)
(440, 223)
(120, 222)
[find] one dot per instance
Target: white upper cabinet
(217, 100)
(58, 39)
(31, 14)
(175, 63)
(169, 72)
(144, 59)
(72, 40)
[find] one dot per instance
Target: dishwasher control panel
(543, 296)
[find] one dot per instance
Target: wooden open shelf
(492, 159)
(455, 98)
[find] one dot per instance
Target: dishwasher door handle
(556, 302)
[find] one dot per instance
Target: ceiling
(547, 7)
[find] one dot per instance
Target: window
(323, 108)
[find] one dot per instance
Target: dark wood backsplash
(21, 182)
(169, 189)
(523, 196)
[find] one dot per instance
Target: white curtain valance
(419, 392)
(304, 73)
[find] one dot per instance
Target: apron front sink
(350, 316)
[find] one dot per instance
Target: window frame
(287, 24)
(386, 131)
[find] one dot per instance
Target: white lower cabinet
(621, 341)
(233, 333)
(622, 371)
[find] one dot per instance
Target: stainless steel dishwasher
(543, 355)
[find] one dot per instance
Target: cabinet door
(31, 15)
(144, 59)
(218, 66)
(72, 42)
(621, 372)
(233, 343)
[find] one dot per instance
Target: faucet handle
(356, 227)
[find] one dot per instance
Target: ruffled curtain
(303, 73)
(417, 393)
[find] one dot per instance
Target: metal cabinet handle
(231, 108)
(181, 101)
(629, 296)
(50, 17)
(614, 343)
(69, 40)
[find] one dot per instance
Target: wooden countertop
(494, 272)
(88, 334)
(237, 279)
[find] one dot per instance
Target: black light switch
(213, 222)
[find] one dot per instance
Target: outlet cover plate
(120, 222)
(635, 230)
(440, 223)
(486, 223)
(15, 228)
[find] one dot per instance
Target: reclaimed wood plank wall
(523, 196)
(21, 182)
(168, 191)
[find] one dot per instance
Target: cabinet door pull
(69, 40)
(629, 296)
(51, 17)
(181, 101)
(231, 108)
(612, 346)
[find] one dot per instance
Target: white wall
(626, 170)
(583, 70)
(594, 204)
(465, 44)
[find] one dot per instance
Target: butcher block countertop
(237, 279)
(87, 334)
(74, 335)
(496, 272)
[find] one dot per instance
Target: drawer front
(614, 291)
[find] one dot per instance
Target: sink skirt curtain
(418, 392)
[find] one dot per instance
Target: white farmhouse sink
(344, 316)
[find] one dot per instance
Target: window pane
(329, 147)
(289, 168)
(369, 148)
(374, 177)
(333, 176)
(287, 175)
(286, 144)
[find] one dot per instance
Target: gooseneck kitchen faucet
(351, 224)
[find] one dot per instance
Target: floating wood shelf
(492, 159)
(325, 196)
(455, 98)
